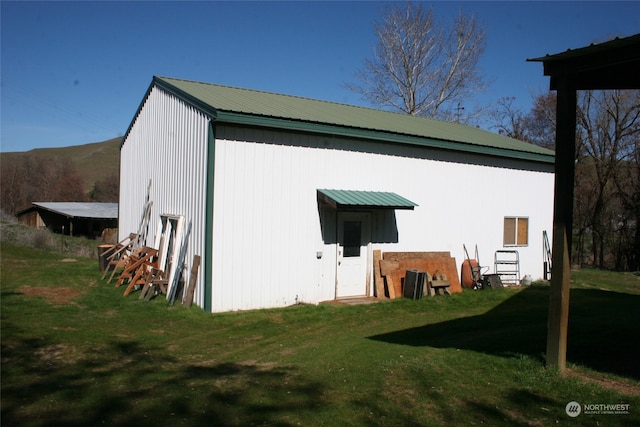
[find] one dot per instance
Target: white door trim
(353, 273)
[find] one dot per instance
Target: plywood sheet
(395, 264)
(446, 265)
(394, 256)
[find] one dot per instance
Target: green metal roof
(256, 108)
(363, 199)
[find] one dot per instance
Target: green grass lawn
(75, 352)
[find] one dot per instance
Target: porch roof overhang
(614, 64)
(340, 199)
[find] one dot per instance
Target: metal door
(354, 234)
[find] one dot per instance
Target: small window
(516, 231)
(352, 238)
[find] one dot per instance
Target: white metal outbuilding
(287, 197)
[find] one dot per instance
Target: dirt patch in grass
(50, 353)
(58, 354)
(58, 295)
(610, 384)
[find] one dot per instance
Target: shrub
(13, 232)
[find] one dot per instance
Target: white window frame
(514, 239)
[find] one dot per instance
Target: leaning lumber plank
(192, 281)
(117, 253)
(391, 288)
(147, 286)
(378, 281)
(159, 286)
(150, 285)
(126, 264)
(389, 269)
(138, 279)
(142, 258)
(143, 271)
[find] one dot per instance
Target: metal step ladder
(507, 266)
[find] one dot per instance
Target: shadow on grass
(603, 330)
(127, 383)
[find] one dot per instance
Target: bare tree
(422, 67)
(106, 190)
(607, 184)
(33, 178)
(627, 183)
(538, 126)
(13, 186)
(608, 127)
(541, 121)
(510, 120)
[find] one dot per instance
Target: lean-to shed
(287, 197)
(87, 219)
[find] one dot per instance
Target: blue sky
(75, 72)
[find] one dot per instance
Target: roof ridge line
(306, 98)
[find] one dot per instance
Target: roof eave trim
(186, 97)
(135, 116)
(48, 209)
(350, 132)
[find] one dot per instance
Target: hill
(94, 161)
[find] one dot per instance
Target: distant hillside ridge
(93, 162)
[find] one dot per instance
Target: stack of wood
(117, 255)
(138, 269)
(390, 270)
(157, 283)
(154, 270)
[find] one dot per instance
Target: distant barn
(72, 218)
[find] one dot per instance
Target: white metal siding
(267, 231)
(167, 144)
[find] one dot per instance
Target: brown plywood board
(395, 270)
(394, 256)
(446, 265)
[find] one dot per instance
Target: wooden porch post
(558, 319)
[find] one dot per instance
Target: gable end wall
(167, 145)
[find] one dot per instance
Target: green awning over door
(363, 199)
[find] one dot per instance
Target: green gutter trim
(319, 128)
(208, 227)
